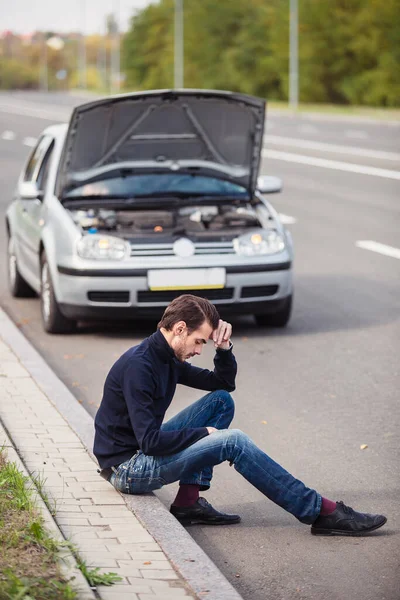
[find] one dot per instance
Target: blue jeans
(194, 465)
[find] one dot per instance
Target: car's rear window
(143, 185)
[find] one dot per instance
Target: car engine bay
(198, 222)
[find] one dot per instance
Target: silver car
(146, 196)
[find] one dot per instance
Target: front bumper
(116, 295)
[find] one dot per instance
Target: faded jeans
(194, 465)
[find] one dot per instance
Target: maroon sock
(187, 495)
(327, 507)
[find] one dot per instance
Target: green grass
(29, 567)
(29, 557)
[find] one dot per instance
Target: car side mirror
(267, 184)
(28, 190)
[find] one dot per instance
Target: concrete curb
(187, 557)
(67, 562)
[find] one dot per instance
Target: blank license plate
(186, 279)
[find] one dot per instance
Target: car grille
(258, 291)
(109, 296)
(168, 250)
(169, 295)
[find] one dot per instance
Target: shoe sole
(318, 531)
(186, 522)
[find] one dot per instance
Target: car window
(44, 169)
(36, 158)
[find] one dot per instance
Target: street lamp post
(178, 39)
(44, 69)
(294, 56)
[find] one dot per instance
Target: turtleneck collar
(160, 344)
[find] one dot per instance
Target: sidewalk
(102, 523)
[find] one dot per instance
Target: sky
(27, 16)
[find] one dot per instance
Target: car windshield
(159, 184)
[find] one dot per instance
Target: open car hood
(195, 131)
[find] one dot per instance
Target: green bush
(14, 75)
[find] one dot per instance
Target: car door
(31, 211)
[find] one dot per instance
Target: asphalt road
(311, 395)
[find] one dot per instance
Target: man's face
(185, 345)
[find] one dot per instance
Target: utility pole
(294, 56)
(115, 50)
(44, 69)
(82, 49)
(178, 46)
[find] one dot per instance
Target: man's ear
(179, 327)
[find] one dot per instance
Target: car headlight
(259, 242)
(102, 247)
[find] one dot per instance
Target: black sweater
(137, 392)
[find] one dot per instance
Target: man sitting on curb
(139, 453)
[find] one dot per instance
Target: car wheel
(53, 319)
(18, 287)
(276, 319)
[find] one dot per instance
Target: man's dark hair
(191, 309)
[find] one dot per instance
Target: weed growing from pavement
(94, 576)
(39, 481)
(30, 557)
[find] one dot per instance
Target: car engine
(195, 222)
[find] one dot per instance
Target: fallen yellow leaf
(264, 422)
(363, 446)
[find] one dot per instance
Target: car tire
(52, 318)
(276, 319)
(17, 285)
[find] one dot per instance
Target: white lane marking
(380, 248)
(330, 164)
(324, 147)
(8, 135)
(307, 129)
(354, 133)
(31, 111)
(287, 219)
(29, 141)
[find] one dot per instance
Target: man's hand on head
(222, 335)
